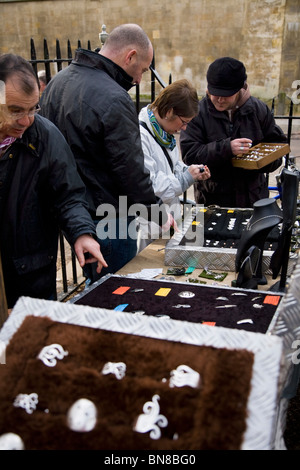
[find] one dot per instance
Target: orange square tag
(272, 299)
(121, 290)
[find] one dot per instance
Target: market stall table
(153, 257)
(272, 369)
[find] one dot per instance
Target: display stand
(266, 215)
(290, 188)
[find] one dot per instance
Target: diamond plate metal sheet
(276, 353)
(222, 259)
(286, 324)
(267, 351)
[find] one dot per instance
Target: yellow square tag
(163, 291)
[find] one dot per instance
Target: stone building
(187, 35)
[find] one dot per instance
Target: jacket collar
(94, 60)
(245, 108)
(30, 138)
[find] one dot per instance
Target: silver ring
(241, 148)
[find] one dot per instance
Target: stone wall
(187, 35)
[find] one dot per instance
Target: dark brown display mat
(211, 417)
(159, 298)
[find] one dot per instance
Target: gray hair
(127, 35)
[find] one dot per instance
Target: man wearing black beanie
(229, 122)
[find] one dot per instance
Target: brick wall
(187, 35)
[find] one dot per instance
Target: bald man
(89, 102)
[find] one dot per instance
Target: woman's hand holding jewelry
(199, 172)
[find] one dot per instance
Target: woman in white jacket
(171, 111)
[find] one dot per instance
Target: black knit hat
(225, 76)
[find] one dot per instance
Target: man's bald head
(129, 47)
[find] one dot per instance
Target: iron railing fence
(290, 118)
(58, 61)
(52, 65)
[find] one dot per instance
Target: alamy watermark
(295, 358)
(2, 352)
(138, 220)
(294, 98)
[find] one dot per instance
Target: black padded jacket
(89, 102)
(40, 192)
(207, 140)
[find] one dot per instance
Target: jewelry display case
(260, 155)
(234, 385)
(250, 310)
(257, 410)
(209, 237)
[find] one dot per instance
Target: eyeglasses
(184, 123)
(16, 115)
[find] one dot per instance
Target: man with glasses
(40, 190)
(228, 123)
(89, 102)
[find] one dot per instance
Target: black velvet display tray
(160, 298)
(223, 229)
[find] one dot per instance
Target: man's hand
(240, 146)
(87, 244)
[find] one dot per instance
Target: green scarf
(165, 139)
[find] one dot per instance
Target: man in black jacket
(40, 191)
(89, 102)
(229, 122)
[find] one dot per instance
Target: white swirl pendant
(184, 376)
(26, 401)
(116, 368)
(151, 421)
(49, 354)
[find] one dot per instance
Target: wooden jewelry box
(260, 155)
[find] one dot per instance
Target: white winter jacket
(167, 185)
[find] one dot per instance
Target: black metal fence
(48, 64)
(53, 65)
(290, 118)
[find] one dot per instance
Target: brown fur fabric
(212, 416)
